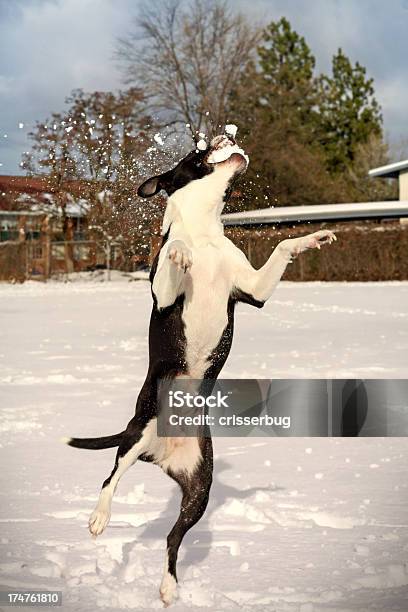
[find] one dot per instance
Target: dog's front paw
(98, 520)
(311, 241)
(180, 255)
(315, 241)
(168, 590)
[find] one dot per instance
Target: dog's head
(221, 154)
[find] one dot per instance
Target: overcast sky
(49, 47)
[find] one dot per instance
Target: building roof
(38, 184)
(38, 195)
(318, 212)
(390, 170)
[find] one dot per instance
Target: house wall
(403, 185)
(13, 261)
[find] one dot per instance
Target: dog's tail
(95, 443)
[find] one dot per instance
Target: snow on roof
(318, 212)
(390, 170)
(73, 207)
(35, 194)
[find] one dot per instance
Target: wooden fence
(39, 259)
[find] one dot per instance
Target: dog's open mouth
(223, 148)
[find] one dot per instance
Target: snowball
(201, 135)
(220, 155)
(231, 129)
(157, 138)
(201, 144)
(21, 125)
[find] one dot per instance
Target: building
(35, 238)
(25, 201)
(46, 230)
(398, 170)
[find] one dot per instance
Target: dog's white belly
(205, 314)
(175, 454)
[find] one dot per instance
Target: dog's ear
(150, 187)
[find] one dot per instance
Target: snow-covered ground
(294, 524)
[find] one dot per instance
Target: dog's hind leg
(195, 488)
(133, 444)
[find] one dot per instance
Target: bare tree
(187, 58)
(371, 154)
(94, 155)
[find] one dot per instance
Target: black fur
(191, 168)
(96, 443)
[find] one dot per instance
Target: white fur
(168, 587)
(178, 454)
(181, 454)
(261, 283)
(99, 518)
(207, 289)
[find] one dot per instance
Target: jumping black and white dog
(196, 279)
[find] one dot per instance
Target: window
(58, 251)
(33, 229)
(37, 251)
(81, 251)
(8, 228)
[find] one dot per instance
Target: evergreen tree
(349, 112)
(276, 106)
(307, 137)
(287, 64)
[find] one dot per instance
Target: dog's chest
(205, 313)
